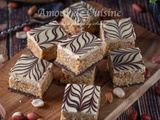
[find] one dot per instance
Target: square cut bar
(117, 34)
(126, 67)
(79, 53)
(31, 76)
(43, 41)
(80, 17)
(87, 78)
(80, 102)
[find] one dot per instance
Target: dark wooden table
(149, 103)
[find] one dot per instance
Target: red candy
(157, 90)
(156, 59)
(147, 73)
(18, 116)
(145, 117)
(12, 5)
(32, 116)
(133, 115)
(26, 28)
(137, 7)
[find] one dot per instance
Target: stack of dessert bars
(79, 54)
(124, 60)
(78, 57)
(32, 75)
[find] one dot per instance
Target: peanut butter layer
(87, 78)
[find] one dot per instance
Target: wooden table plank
(144, 19)
(149, 101)
(3, 25)
(17, 16)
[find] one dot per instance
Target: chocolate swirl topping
(127, 59)
(118, 29)
(81, 98)
(81, 43)
(30, 67)
(80, 11)
(48, 35)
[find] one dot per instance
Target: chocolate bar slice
(117, 34)
(79, 53)
(81, 102)
(31, 75)
(80, 17)
(42, 41)
(126, 67)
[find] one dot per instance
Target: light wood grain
(148, 43)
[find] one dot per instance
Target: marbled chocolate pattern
(118, 29)
(80, 11)
(127, 59)
(30, 67)
(81, 98)
(81, 43)
(48, 34)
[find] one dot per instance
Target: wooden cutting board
(148, 42)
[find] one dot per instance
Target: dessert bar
(31, 76)
(117, 34)
(80, 17)
(80, 102)
(43, 41)
(126, 66)
(79, 53)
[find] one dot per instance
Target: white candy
(37, 103)
(17, 113)
(3, 58)
(119, 92)
(21, 35)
